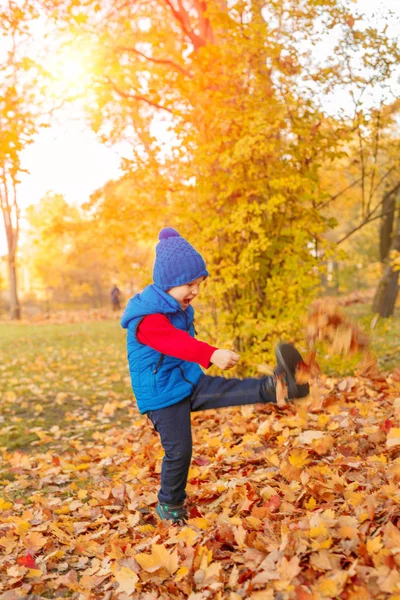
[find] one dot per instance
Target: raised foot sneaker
(288, 358)
(176, 513)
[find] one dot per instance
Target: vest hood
(151, 301)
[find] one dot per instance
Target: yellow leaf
(181, 573)
(254, 523)
(127, 580)
(158, 559)
(82, 494)
(199, 522)
(82, 467)
(327, 587)
(64, 510)
(355, 498)
(374, 544)
(4, 505)
(274, 459)
(311, 504)
(22, 526)
(145, 528)
(323, 420)
(187, 535)
(44, 438)
(393, 437)
(319, 531)
(299, 458)
(34, 573)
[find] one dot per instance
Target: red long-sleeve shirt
(157, 332)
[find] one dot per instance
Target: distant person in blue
(116, 298)
(164, 359)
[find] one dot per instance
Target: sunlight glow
(70, 73)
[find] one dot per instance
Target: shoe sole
(292, 356)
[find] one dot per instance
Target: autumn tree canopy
(221, 106)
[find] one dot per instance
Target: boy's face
(184, 294)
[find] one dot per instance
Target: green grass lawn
(68, 379)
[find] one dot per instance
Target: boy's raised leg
(218, 392)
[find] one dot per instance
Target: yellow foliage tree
(236, 167)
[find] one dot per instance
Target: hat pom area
(168, 232)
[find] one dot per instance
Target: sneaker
(176, 513)
(287, 358)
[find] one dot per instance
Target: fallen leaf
(127, 580)
(158, 559)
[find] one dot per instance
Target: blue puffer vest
(158, 380)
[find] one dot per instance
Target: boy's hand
(225, 359)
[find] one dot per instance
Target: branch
(324, 204)
(182, 16)
(335, 196)
(382, 179)
(205, 25)
(365, 223)
(393, 190)
(160, 61)
(368, 218)
(137, 97)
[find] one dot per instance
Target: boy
(164, 359)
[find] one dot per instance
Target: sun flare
(69, 73)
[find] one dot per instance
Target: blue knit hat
(177, 262)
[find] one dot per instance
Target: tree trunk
(388, 288)
(386, 229)
(15, 308)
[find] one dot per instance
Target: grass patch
(62, 381)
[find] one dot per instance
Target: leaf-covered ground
(296, 503)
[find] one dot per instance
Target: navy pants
(174, 428)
